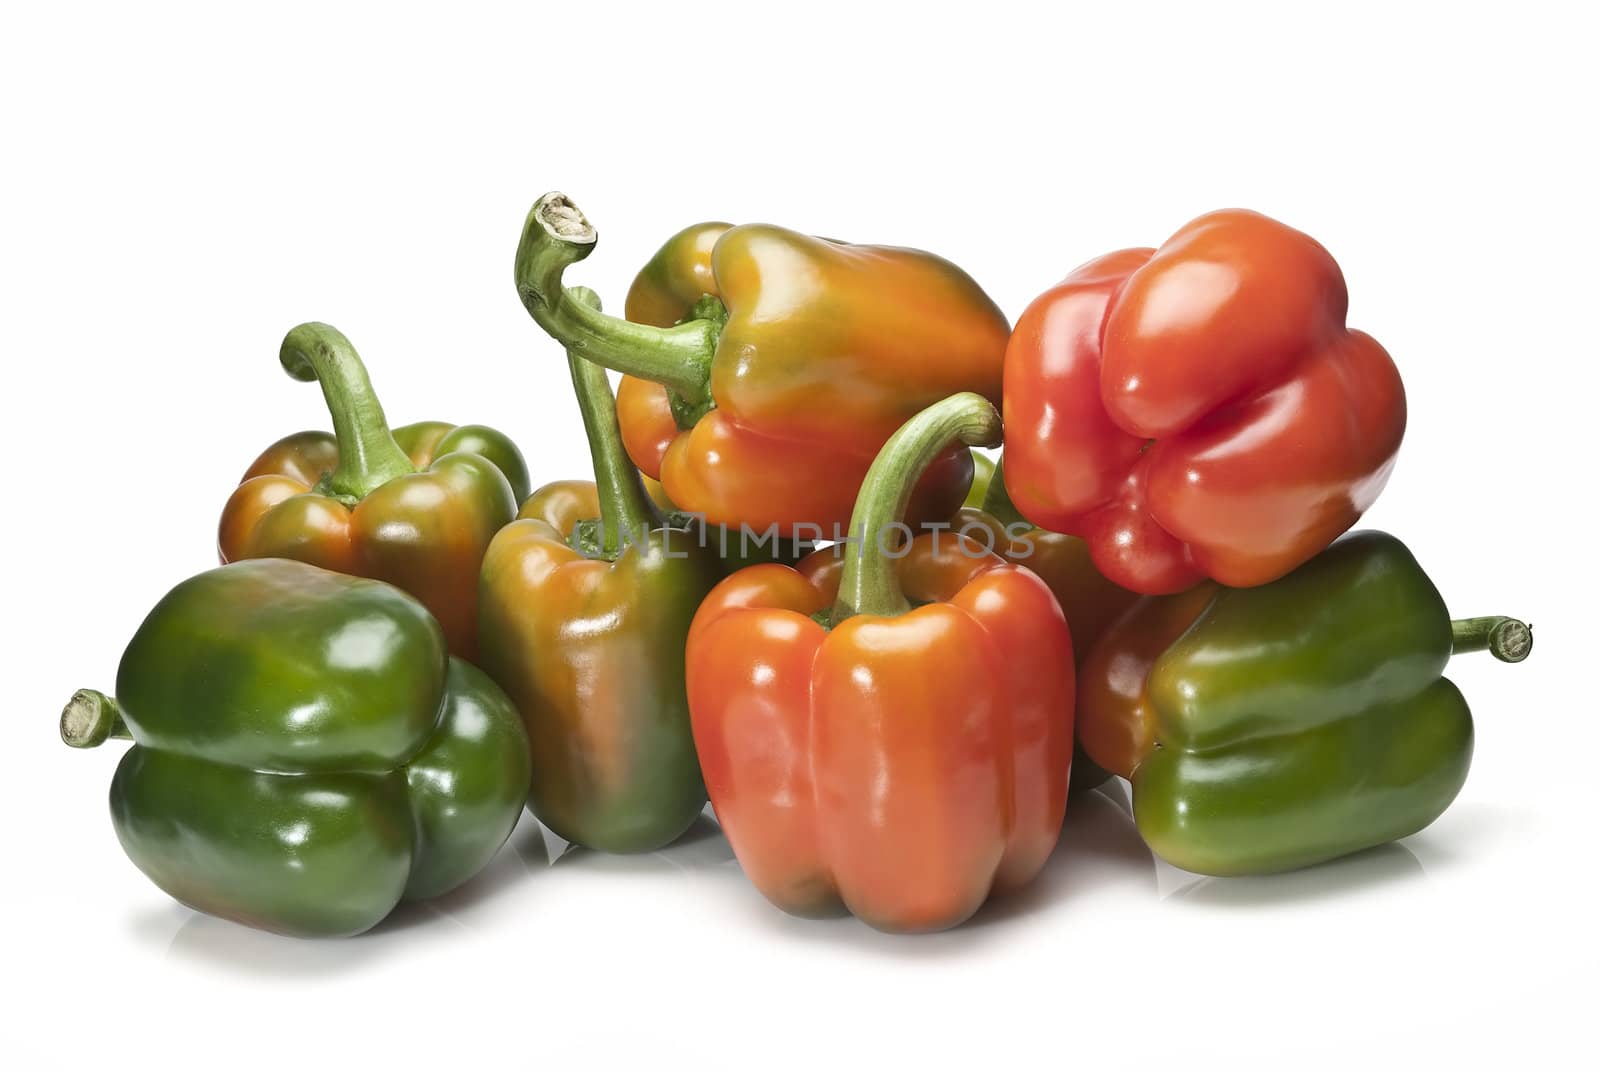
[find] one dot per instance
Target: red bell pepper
(907, 751)
(1200, 410)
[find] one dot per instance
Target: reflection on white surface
(1383, 865)
(702, 846)
(1100, 855)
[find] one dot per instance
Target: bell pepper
(1063, 562)
(583, 621)
(770, 366)
(306, 753)
(415, 507)
(564, 503)
(1200, 410)
(567, 503)
(890, 733)
(1275, 727)
(1089, 601)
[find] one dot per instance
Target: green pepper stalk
(626, 511)
(555, 236)
(1506, 638)
(369, 457)
(90, 718)
(869, 584)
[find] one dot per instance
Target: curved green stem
(869, 584)
(997, 499)
(626, 512)
(90, 718)
(368, 455)
(1506, 638)
(555, 236)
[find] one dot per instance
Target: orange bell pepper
(1200, 410)
(765, 368)
(891, 732)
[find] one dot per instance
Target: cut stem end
(563, 220)
(555, 236)
(1506, 638)
(90, 718)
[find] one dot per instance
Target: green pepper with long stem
(583, 621)
(306, 752)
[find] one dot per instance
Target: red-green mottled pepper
(583, 622)
(416, 507)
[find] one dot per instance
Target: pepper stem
(555, 236)
(869, 583)
(1506, 638)
(368, 455)
(626, 511)
(90, 718)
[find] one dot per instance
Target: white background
(182, 185)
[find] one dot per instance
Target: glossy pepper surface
(1200, 410)
(887, 735)
(1089, 601)
(415, 507)
(768, 367)
(1275, 727)
(585, 610)
(306, 753)
(565, 504)
(1064, 562)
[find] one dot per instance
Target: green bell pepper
(307, 754)
(1284, 725)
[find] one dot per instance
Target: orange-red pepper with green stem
(767, 367)
(415, 507)
(890, 735)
